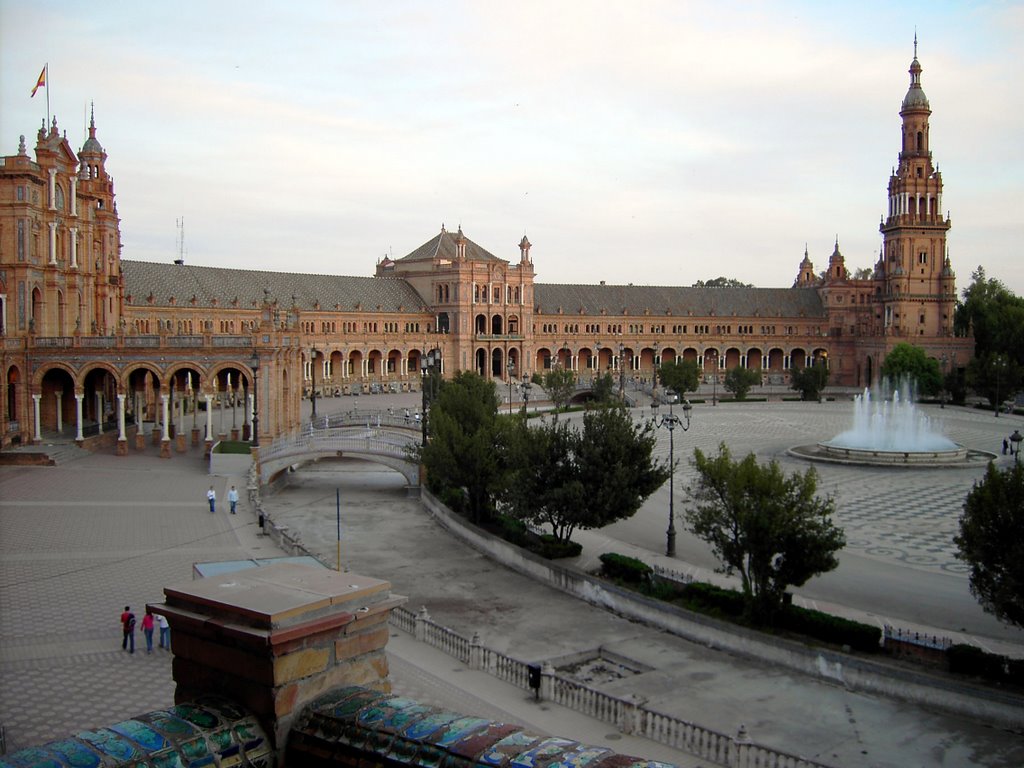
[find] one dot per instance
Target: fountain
(888, 431)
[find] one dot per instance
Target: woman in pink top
(147, 630)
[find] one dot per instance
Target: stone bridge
(383, 437)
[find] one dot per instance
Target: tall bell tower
(918, 292)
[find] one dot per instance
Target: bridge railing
(374, 441)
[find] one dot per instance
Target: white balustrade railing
(369, 441)
(627, 714)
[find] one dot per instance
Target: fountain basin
(957, 457)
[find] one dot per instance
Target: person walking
(165, 631)
(128, 630)
(211, 496)
(147, 630)
(233, 498)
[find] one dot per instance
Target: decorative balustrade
(627, 714)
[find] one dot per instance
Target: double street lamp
(670, 421)
(713, 354)
(1015, 439)
(526, 386)
(255, 365)
(428, 362)
(312, 371)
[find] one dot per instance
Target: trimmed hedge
(628, 569)
(551, 548)
(973, 661)
(831, 629)
(233, 446)
(707, 598)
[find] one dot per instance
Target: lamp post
(511, 373)
(1000, 365)
(255, 365)
(427, 363)
(942, 392)
(714, 380)
(622, 372)
(312, 371)
(1015, 439)
(671, 421)
(526, 386)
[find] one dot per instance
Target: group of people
(211, 497)
(150, 622)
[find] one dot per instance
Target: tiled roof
(443, 247)
(207, 284)
(664, 301)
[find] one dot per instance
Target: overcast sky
(632, 142)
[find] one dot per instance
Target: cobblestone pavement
(79, 541)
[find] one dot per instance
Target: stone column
(53, 249)
(35, 413)
(52, 190)
(179, 435)
(209, 423)
(277, 637)
(73, 201)
(99, 413)
(79, 397)
(74, 247)
(140, 422)
(122, 436)
(165, 438)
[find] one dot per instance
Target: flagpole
(46, 82)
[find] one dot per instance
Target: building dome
(915, 98)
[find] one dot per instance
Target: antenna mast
(180, 224)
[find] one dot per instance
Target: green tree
(680, 375)
(560, 384)
(909, 362)
(810, 381)
(769, 528)
(739, 381)
(462, 457)
(722, 282)
(584, 478)
(604, 388)
(995, 316)
(991, 542)
(995, 376)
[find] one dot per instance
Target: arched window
(920, 141)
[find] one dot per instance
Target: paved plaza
(79, 541)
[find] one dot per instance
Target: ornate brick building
(93, 343)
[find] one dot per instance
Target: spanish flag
(41, 81)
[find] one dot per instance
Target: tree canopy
(991, 542)
(739, 380)
(771, 529)
(680, 375)
(911, 363)
(810, 381)
(722, 282)
(585, 478)
(462, 458)
(560, 384)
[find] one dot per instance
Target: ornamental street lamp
(622, 371)
(312, 371)
(1015, 439)
(511, 373)
(1000, 365)
(942, 392)
(255, 365)
(526, 393)
(714, 381)
(427, 363)
(671, 421)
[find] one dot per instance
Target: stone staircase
(43, 454)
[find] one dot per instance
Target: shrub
(831, 629)
(551, 548)
(628, 569)
(973, 661)
(707, 598)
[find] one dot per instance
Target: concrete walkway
(79, 541)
